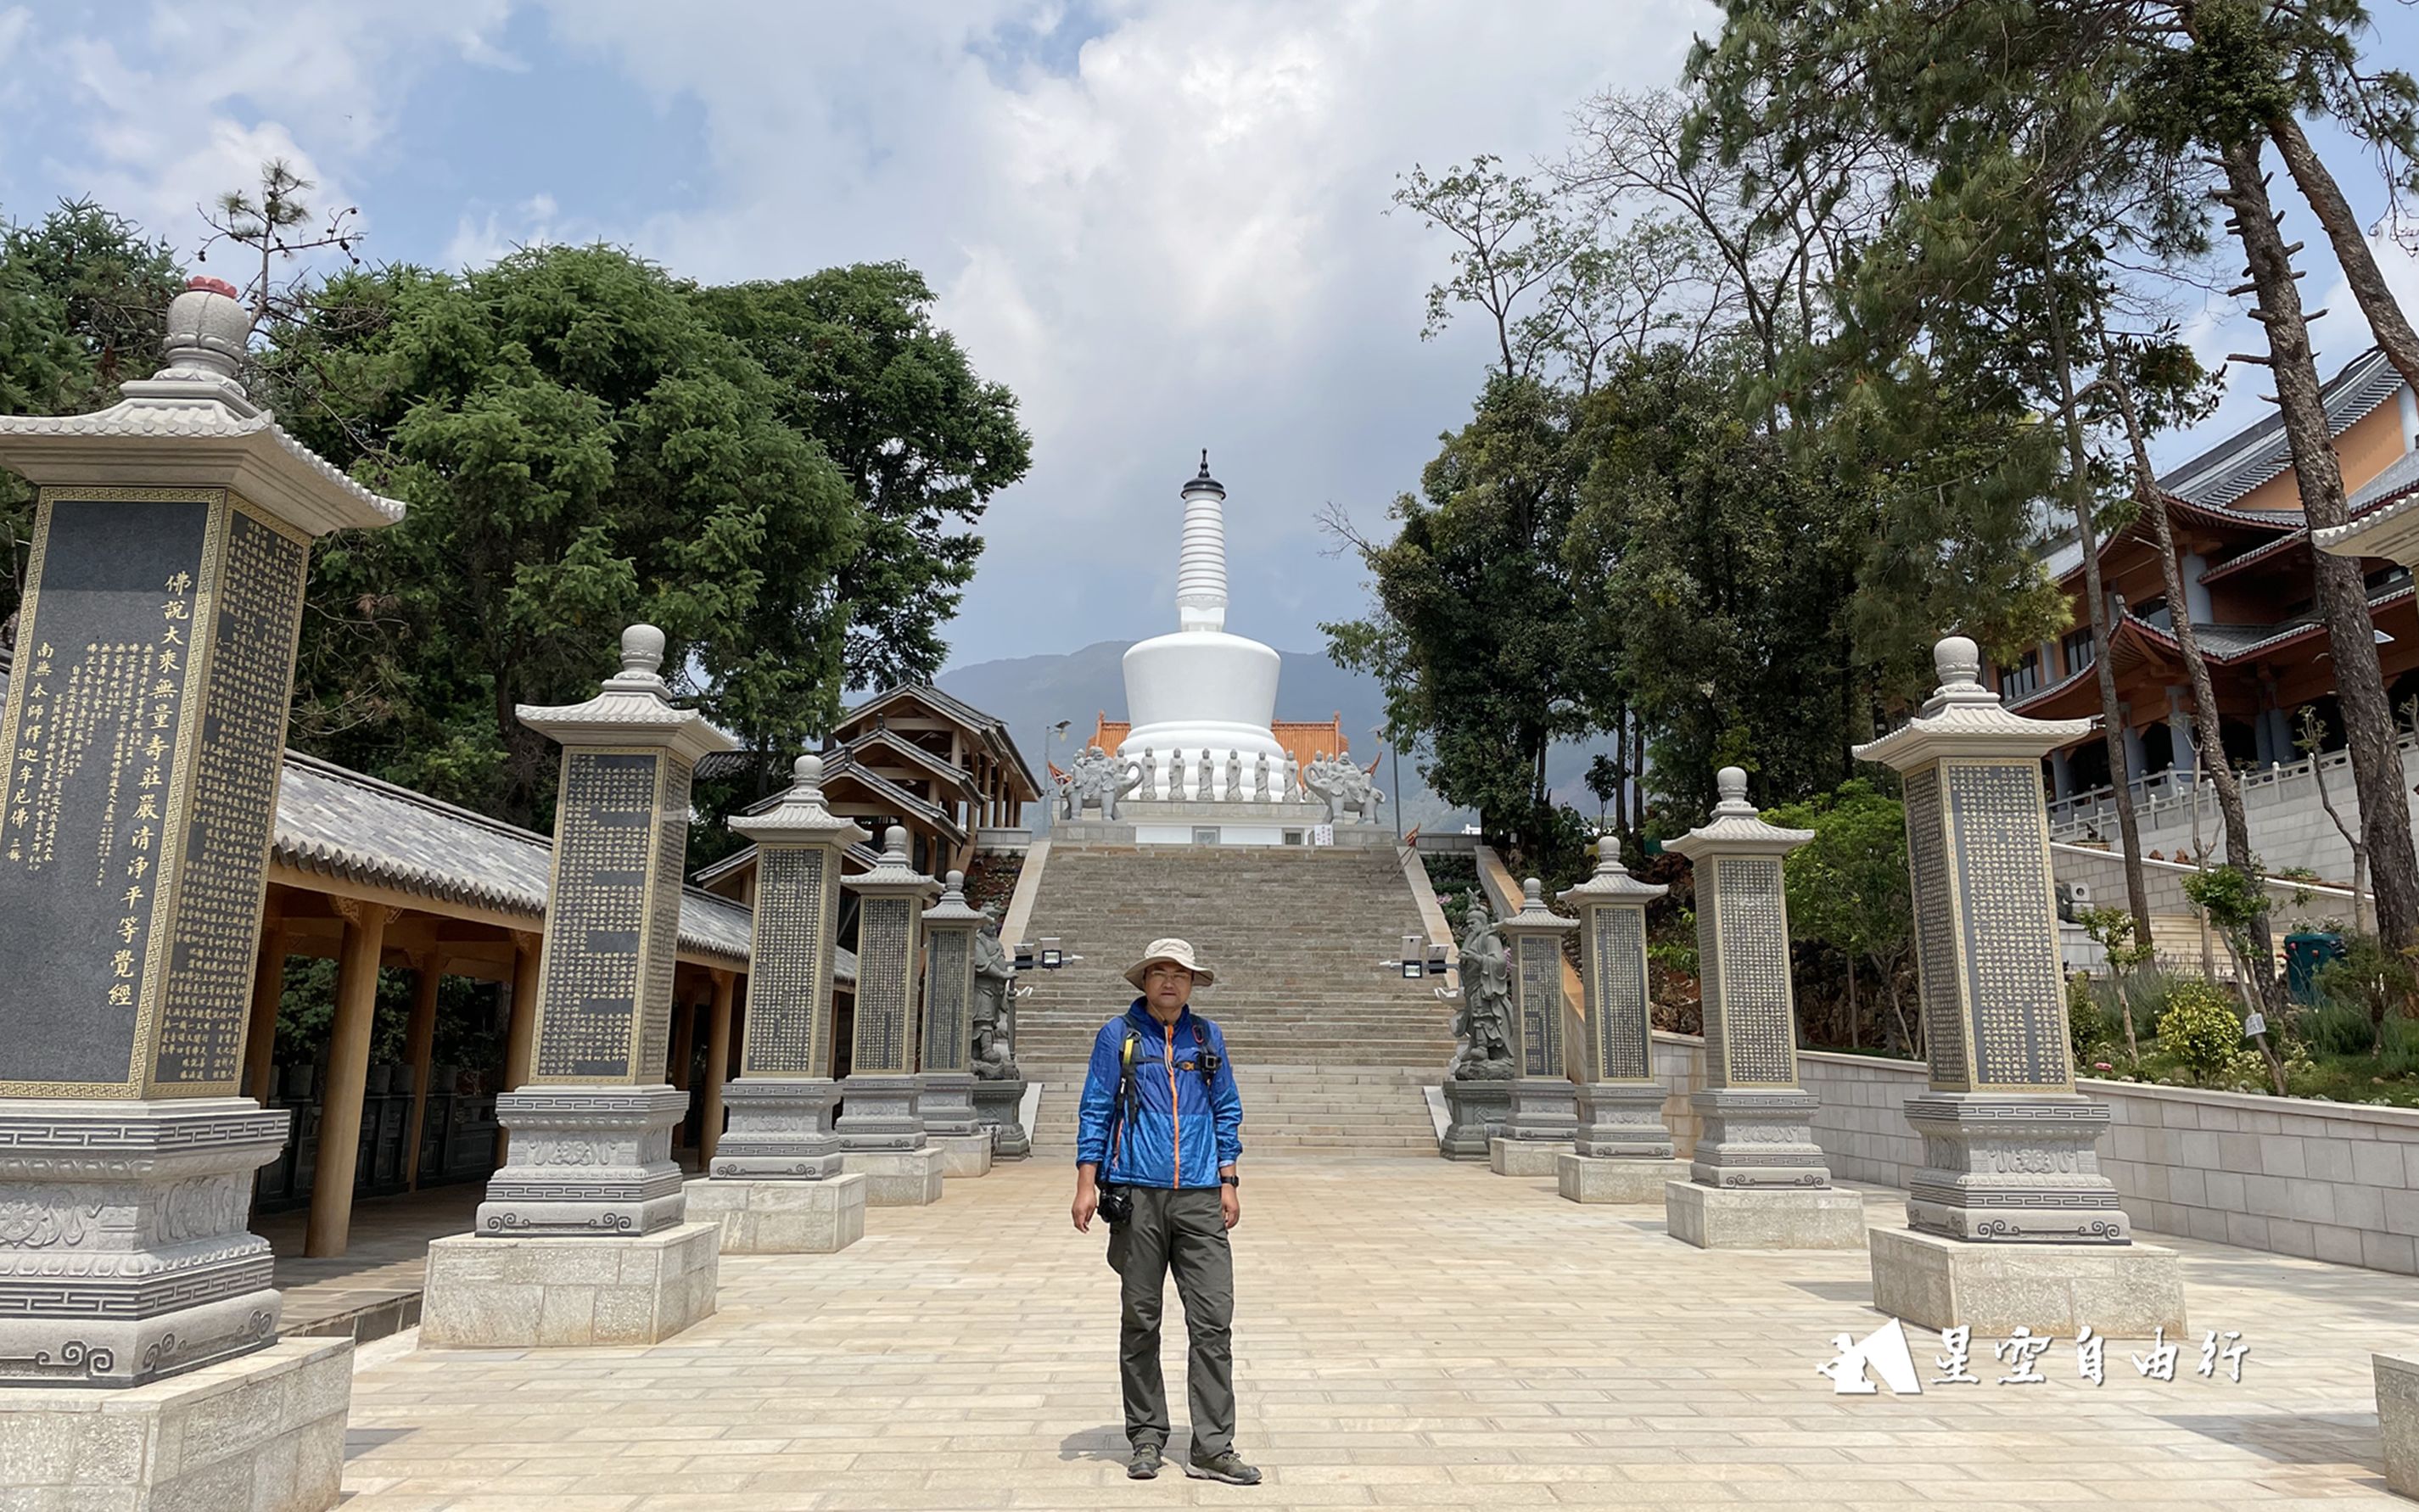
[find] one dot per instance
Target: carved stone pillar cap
(1734, 830)
(633, 708)
(894, 874)
(1611, 882)
(1965, 719)
(642, 659)
(952, 907)
(1533, 915)
(800, 817)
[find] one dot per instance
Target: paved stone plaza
(1408, 1333)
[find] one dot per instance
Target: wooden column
(260, 1035)
(718, 1066)
(420, 1046)
(520, 1032)
(330, 1222)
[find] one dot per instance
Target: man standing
(1162, 1124)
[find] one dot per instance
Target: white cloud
(1168, 237)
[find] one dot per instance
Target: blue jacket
(1182, 1130)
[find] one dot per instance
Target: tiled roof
(993, 729)
(2251, 457)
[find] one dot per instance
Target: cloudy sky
(1161, 222)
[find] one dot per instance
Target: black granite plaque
(1936, 933)
(1758, 1045)
(884, 927)
(2016, 996)
(596, 967)
(785, 997)
(97, 740)
(1621, 1023)
(1541, 1006)
(949, 971)
(216, 931)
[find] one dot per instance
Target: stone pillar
(2131, 739)
(776, 1183)
(879, 1130)
(2181, 761)
(328, 1228)
(141, 747)
(420, 1048)
(1622, 1152)
(2010, 1223)
(1539, 1128)
(591, 1189)
(945, 1089)
(2061, 774)
(1758, 1180)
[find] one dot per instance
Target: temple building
(2245, 554)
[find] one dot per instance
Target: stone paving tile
(1409, 1333)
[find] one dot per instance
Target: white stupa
(1201, 689)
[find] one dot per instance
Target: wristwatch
(1235, 1181)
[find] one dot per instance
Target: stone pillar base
(945, 1103)
(1476, 1110)
(964, 1154)
(780, 1217)
(1587, 1179)
(1000, 1106)
(2397, 1421)
(263, 1432)
(1525, 1157)
(488, 1293)
(1772, 1217)
(2120, 1290)
(899, 1177)
(1543, 1107)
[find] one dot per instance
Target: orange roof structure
(1304, 740)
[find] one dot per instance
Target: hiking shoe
(1144, 1465)
(1228, 1467)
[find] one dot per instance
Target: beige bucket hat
(1177, 953)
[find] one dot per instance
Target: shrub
(2368, 977)
(2199, 1028)
(2336, 1029)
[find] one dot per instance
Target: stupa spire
(1201, 567)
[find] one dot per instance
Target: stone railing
(2323, 1181)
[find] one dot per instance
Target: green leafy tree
(579, 448)
(2237, 905)
(82, 295)
(2118, 934)
(1848, 887)
(1476, 632)
(859, 366)
(1604, 779)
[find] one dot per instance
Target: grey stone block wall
(2323, 1181)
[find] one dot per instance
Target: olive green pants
(1180, 1230)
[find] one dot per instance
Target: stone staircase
(1330, 1045)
